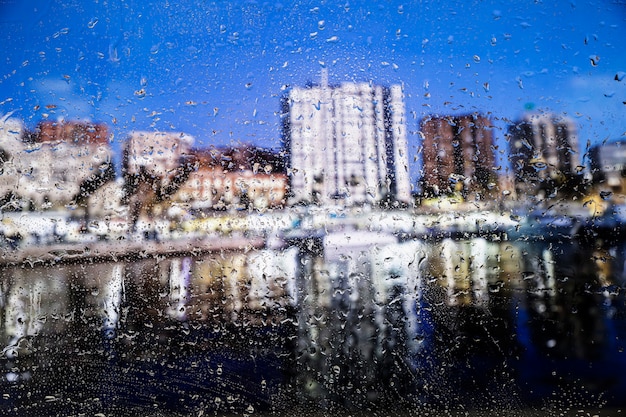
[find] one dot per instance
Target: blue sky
(217, 70)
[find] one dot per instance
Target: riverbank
(106, 250)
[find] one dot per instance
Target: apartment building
(458, 156)
(347, 144)
(231, 178)
(544, 155)
(58, 164)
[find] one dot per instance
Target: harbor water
(329, 325)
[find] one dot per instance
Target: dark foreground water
(334, 326)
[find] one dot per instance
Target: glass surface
(312, 208)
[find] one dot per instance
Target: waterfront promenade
(279, 229)
(114, 250)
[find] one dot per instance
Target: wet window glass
(312, 208)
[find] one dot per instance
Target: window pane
(243, 207)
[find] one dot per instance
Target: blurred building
(544, 155)
(155, 164)
(59, 164)
(458, 156)
(106, 201)
(347, 144)
(608, 175)
(156, 153)
(608, 164)
(242, 177)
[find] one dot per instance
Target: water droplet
(538, 164)
(476, 58)
(620, 76)
(92, 23)
(250, 409)
(605, 195)
(594, 60)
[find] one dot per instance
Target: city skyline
(218, 72)
(383, 161)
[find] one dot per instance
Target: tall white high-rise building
(347, 144)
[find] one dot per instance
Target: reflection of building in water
(458, 156)
(234, 178)
(544, 155)
(396, 275)
(82, 303)
(179, 287)
(466, 271)
(468, 298)
(111, 297)
(358, 299)
(347, 144)
(564, 301)
(58, 164)
(27, 300)
(272, 282)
